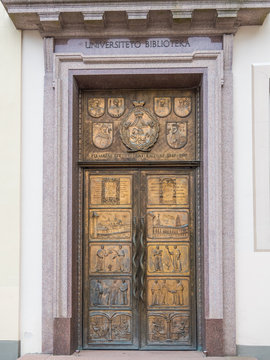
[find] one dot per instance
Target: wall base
(9, 349)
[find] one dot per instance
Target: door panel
(168, 313)
(139, 268)
(110, 311)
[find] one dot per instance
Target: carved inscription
(168, 292)
(168, 224)
(110, 190)
(110, 292)
(168, 190)
(110, 327)
(168, 327)
(172, 259)
(109, 225)
(109, 258)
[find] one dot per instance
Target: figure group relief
(110, 259)
(168, 292)
(110, 292)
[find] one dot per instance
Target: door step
(132, 355)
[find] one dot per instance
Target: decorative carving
(168, 190)
(183, 106)
(96, 107)
(139, 129)
(174, 259)
(110, 190)
(116, 106)
(110, 225)
(168, 224)
(109, 327)
(162, 106)
(110, 194)
(110, 259)
(168, 327)
(168, 292)
(177, 134)
(109, 292)
(102, 135)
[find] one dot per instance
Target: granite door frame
(61, 103)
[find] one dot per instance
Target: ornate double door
(139, 276)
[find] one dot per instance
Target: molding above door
(65, 18)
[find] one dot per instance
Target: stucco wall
(251, 46)
(252, 268)
(10, 132)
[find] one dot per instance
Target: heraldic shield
(102, 135)
(183, 106)
(162, 106)
(177, 134)
(96, 107)
(116, 107)
(139, 129)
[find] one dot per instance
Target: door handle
(135, 252)
(142, 258)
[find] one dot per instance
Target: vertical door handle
(142, 258)
(135, 250)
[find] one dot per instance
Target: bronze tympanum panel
(138, 126)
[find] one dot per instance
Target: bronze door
(139, 272)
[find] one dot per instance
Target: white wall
(31, 188)
(10, 132)
(251, 45)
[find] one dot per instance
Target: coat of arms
(162, 106)
(116, 106)
(102, 135)
(96, 107)
(139, 129)
(183, 106)
(177, 134)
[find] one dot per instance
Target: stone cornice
(66, 18)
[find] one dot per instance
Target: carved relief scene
(168, 292)
(110, 326)
(109, 292)
(168, 190)
(168, 327)
(110, 225)
(168, 224)
(139, 125)
(110, 191)
(110, 258)
(172, 259)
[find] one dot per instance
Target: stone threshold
(131, 355)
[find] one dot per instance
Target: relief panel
(110, 191)
(168, 292)
(110, 225)
(168, 190)
(171, 258)
(113, 258)
(108, 327)
(110, 292)
(138, 126)
(169, 225)
(168, 328)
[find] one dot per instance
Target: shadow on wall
(259, 352)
